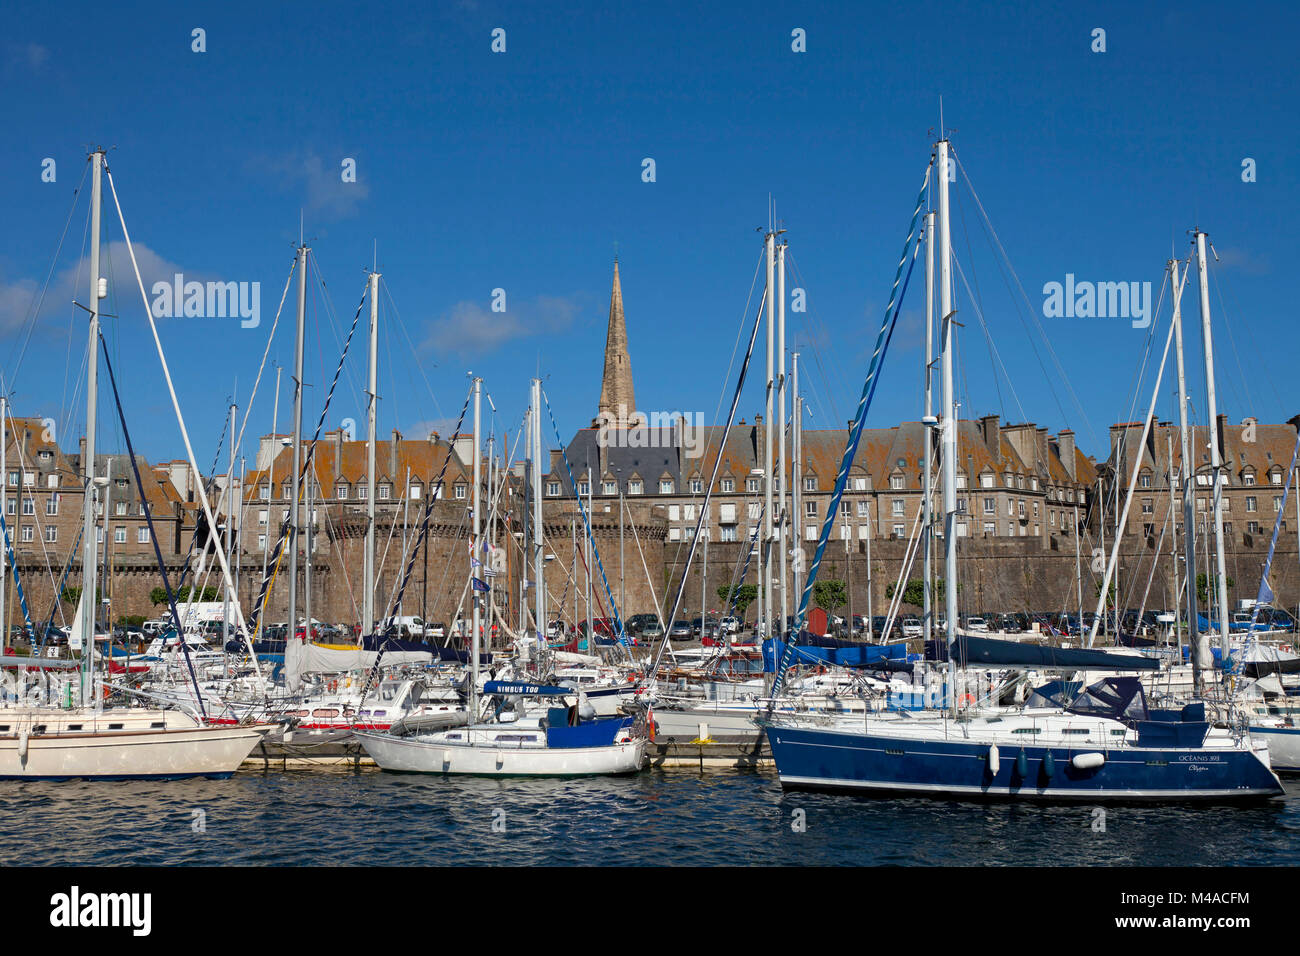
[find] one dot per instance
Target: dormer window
(609, 487)
(1248, 478)
(751, 485)
(728, 485)
(461, 490)
(896, 482)
(584, 488)
(635, 487)
(384, 491)
(553, 488)
(810, 484)
(665, 486)
(697, 486)
(341, 491)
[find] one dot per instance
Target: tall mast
(796, 469)
(539, 560)
(783, 545)
(89, 557)
(297, 441)
(949, 459)
(368, 570)
(270, 475)
(927, 502)
(1199, 645)
(1216, 463)
(476, 553)
(765, 553)
(230, 528)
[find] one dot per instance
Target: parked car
(650, 631)
(731, 624)
(976, 624)
(912, 627)
(681, 630)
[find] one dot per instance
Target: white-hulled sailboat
(518, 738)
(84, 739)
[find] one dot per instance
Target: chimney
(392, 455)
(338, 454)
(1040, 444)
(992, 435)
(1065, 443)
(1223, 433)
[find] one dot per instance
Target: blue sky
(522, 170)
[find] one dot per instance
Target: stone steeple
(617, 401)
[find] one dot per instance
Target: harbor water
(679, 819)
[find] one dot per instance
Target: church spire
(617, 400)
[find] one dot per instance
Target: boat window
(114, 726)
(325, 712)
(1157, 763)
(70, 726)
(894, 751)
(159, 723)
(4, 728)
(1025, 730)
(1118, 733)
(38, 729)
(1076, 730)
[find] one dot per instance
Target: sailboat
(85, 739)
(1108, 744)
(516, 737)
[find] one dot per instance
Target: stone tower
(617, 401)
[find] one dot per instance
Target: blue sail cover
(1119, 698)
(855, 655)
(997, 652)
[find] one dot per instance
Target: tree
(743, 596)
(72, 594)
(208, 593)
(1203, 588)
(830, 595)
(914, 591)
(157, 596)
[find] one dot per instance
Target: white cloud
(324, 194)
(472, 328)
(18, 297)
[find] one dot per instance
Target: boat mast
(948, 461)
(368, 569)
(796, 470)
(476, 555)
(270, 475)
(765, 553)
(1198, 644)
(927, 502)
(782, 515)
(89, 557)
(538, 560)
(297, 441)
(230, 523)
(1216, 463)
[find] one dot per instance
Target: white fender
(1088, 761)
(22, 746)
(994, 761)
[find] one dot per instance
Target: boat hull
(819, 759)
(412, 755)
(1283, 747)
(214, 752)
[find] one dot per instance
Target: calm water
(368, 817)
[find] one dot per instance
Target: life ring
(967, 700)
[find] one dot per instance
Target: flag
(479, 585)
